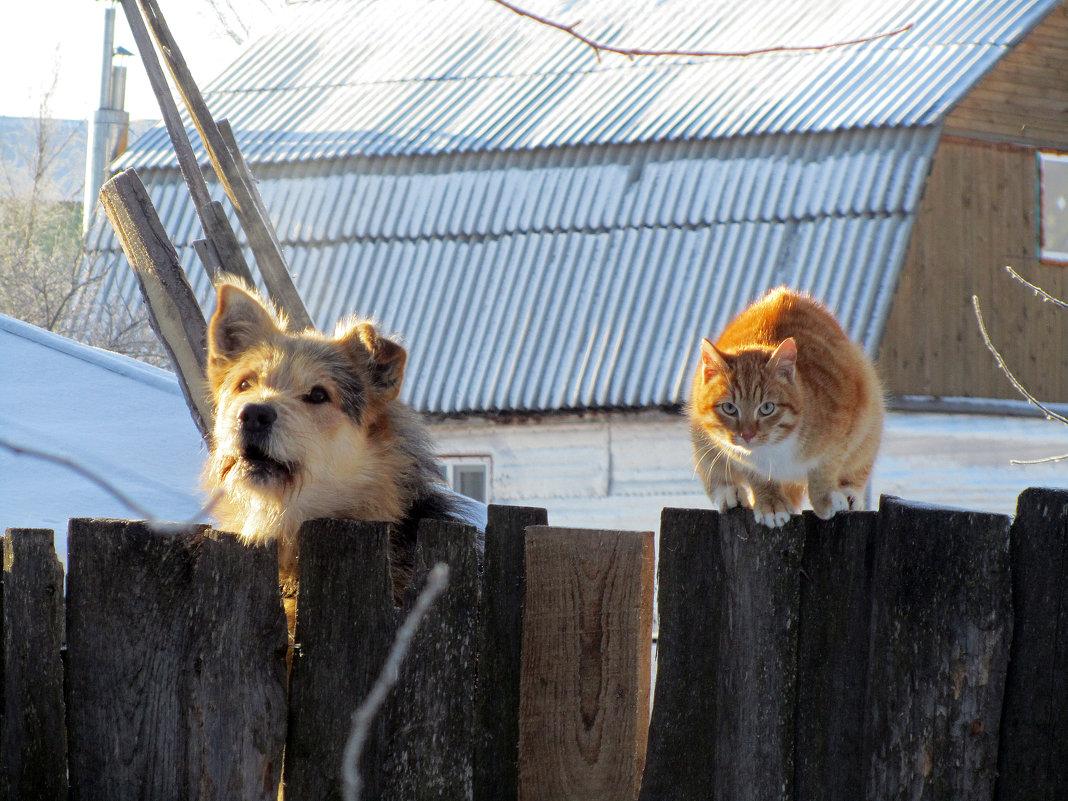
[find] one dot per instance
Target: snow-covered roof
(341, 78)
(124, 421)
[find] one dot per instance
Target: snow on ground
(125, 421)
(965, 460)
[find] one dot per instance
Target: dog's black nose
(257, 417)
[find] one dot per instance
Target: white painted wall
(620, 470)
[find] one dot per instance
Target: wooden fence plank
(176, 654)
(500, 622)
(33, 739)
(430, 729)
(345, 623)
(835, 628)
(941, 627)
(423, 737)
(729, 601)
(584, 700)
(1033, 754)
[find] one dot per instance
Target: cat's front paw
(773, 515)
(827, 507)
(729, 497)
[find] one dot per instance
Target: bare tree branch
(1050, 415)
(1046, 297)
(436, 581)
(1047, 460)
(633, 52)
(104, 484)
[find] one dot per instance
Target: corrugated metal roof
(583, 277)
(341, 78)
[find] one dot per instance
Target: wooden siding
(978, 215)
(1024, 99)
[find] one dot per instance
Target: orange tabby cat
(785, 402)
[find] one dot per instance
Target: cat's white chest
(781, 461)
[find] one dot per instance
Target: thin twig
(109, 488)
(1046, 297)
(1050, 415)
(1047, 460)
(633, 52)
(364, 715)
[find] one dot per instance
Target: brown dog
(309, 425)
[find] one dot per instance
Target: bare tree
(1016, 383)
(40, 227)
(45, 270)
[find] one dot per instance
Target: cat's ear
(712, 362)
(784, 360)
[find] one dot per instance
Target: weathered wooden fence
(906, 653)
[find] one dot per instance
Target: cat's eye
(316, 395)
(729, 409)
(766, 409)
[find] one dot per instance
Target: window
(469, 475)
(1053, 196)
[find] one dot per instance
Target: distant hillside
(65, 142)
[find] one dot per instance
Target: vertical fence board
(345, 624)
(423, 737)
(1033, 756)
(833, 656)
(729, 598)
(176, 664)
(584, 696)
(237, 691)
(431, 725)
(500, 623)
(941, 627)
(32, 728)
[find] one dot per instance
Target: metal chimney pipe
(96, 157)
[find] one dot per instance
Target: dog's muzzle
(257, 420)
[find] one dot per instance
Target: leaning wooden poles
(174, 312)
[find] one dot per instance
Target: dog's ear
(240, 322)
(384, 358)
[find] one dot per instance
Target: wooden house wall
(1024, 99)
(978, 215)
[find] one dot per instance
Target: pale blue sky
(43, 39)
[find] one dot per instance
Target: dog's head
(295, 413)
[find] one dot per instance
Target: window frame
(1047, 256)
(454, 463)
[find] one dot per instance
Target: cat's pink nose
(748, 435)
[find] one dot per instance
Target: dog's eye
(317, 395)
(244, 386)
